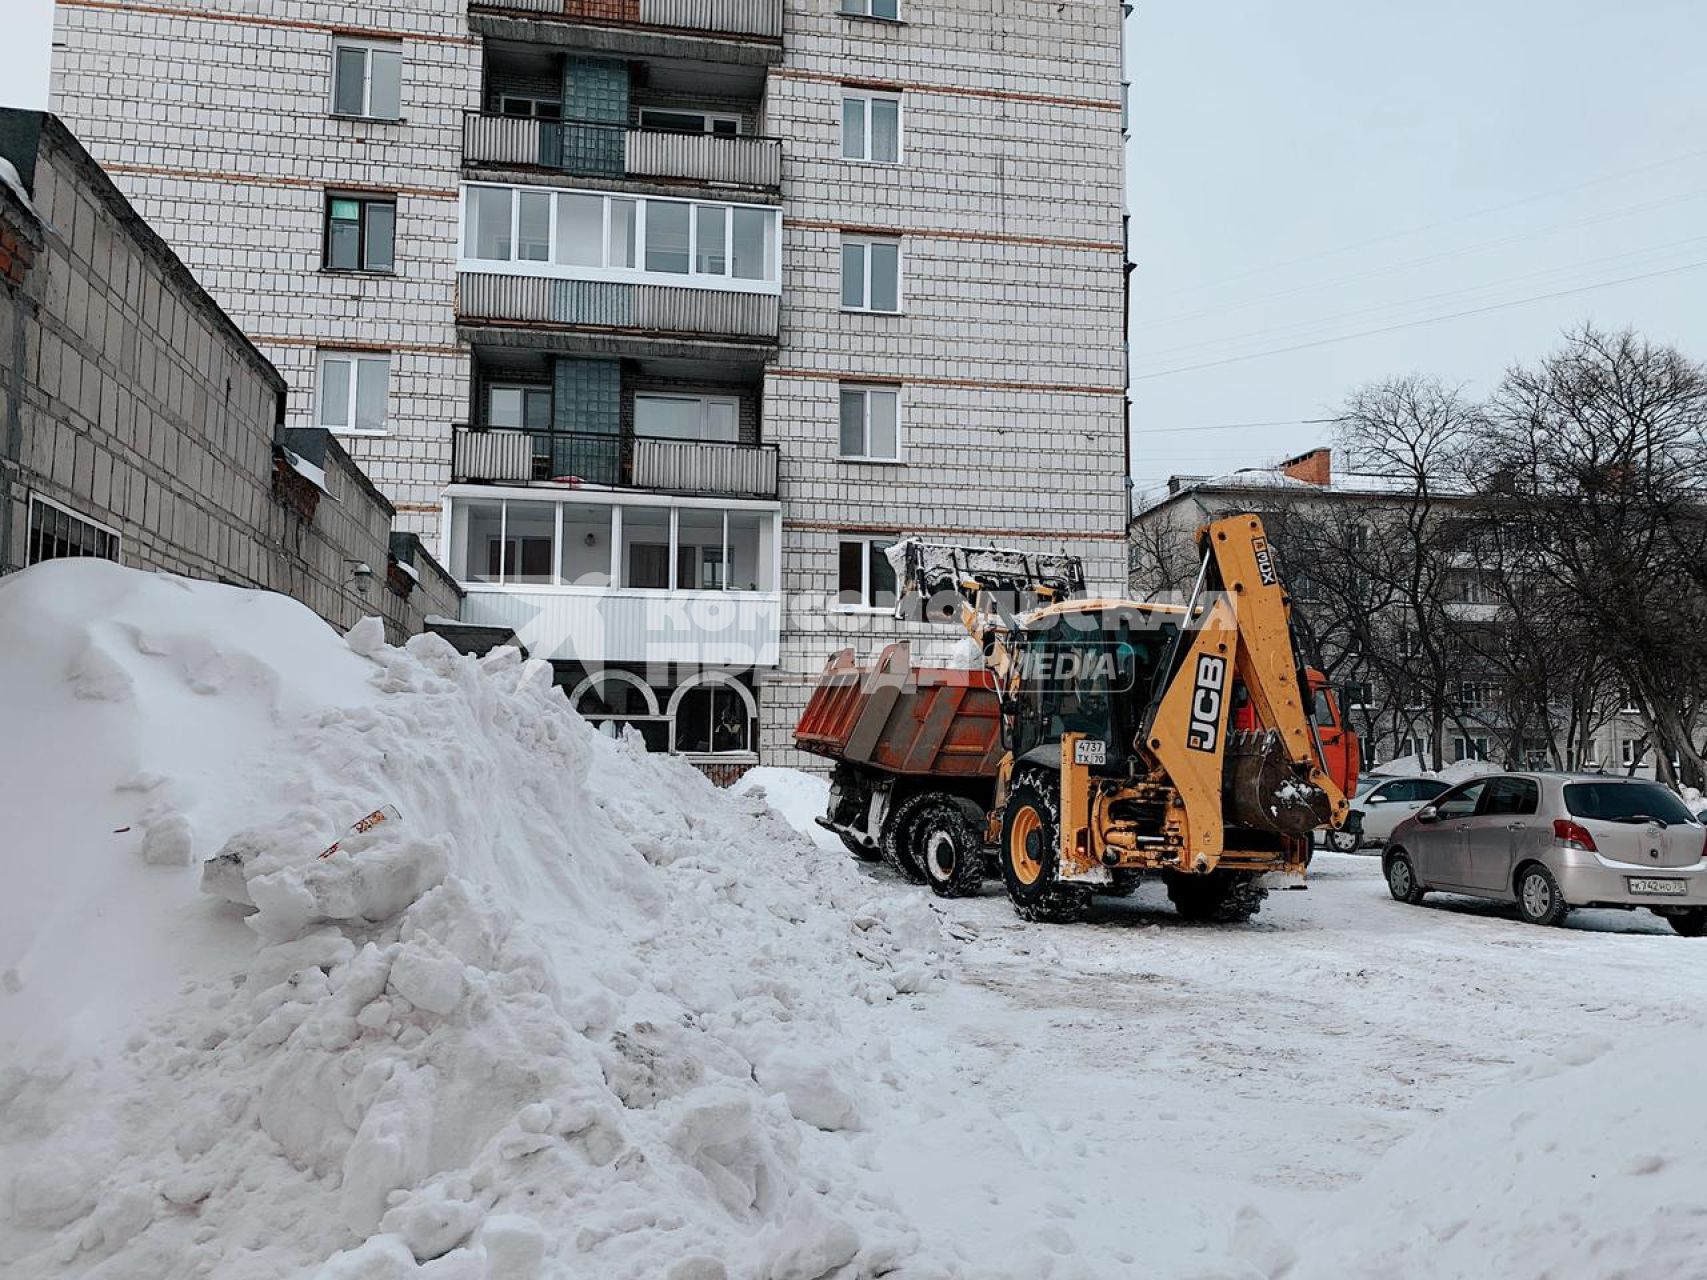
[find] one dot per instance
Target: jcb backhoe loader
(1136, 739)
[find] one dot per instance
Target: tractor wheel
(897, 840)
(860, 850)
(1220, 897)
(948, 848)
(1030, 852)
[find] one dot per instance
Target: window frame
(363, 200)
(355, 359)
(865, 541)
(866, 390)
(846, 9)
(726, 282)
(869, 96)
(368, 48)
(866, 241)
(41, 501)
(707, 119)
(534, 102)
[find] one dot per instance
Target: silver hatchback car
(1550, 842)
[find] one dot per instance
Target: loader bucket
(1265, 791)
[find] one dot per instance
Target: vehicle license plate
(1657, 886)
(1090, 751)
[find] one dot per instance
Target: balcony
(609, 150)
(660, 310)
(616, 577)
(499, 455)
(761, 18)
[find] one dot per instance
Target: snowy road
(1139, 1096)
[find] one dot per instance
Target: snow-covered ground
(578, 1014)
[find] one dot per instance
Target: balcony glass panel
(622, 215)
(476, 534)
(646, 547)
(533, 227)
(667, 237)
(755, 243)
(585, 555)
(580, 230)
(711, 250)
(530, 529)
(487, 233)
(699, 550)
(749, 551)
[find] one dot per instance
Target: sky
(1300, 174)
(1328, 193)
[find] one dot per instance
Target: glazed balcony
(491, 141)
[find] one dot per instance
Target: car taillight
(1573, 835)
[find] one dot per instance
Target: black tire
(1030, 851)
(864, 852)
(896, 843)
(1689, 923)
(1402, 880)
(1221, 897)
(1343, 841)
(1538, 898)
(948, 848)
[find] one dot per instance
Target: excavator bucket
(1263, 789)
(1014, 581)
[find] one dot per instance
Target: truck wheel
(860, 850)
(1221, 897)
(897, 839)
(948, 849)
(1030, 849)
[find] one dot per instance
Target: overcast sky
(1304, 173)
(1301, 173)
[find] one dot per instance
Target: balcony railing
(723, 17)
(507, 455)
(611, 624)
(616, 150)
(665, 310)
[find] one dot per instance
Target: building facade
(661, 318)
(138, 424)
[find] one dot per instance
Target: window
(871, 423)
(1639, 801)
(592, 235)
(1632, 750)
(888, 9)
(1359, 694)
(713, 717)
(528, 107)
(688, 417)
(359, 233)
(518, 407)
(871, 275)
(1475, 694)
(1510, 798)
(1413, 747)
(615, 700)
(672, 121)
(1410, 643)
(367, 79)
(864, 577)
(1461, 801)
(871, 127)
(58, 532)
(353, 391)
(1475, 748)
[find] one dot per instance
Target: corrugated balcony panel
(651, 308)
(694, 466)
(590, 624)
(503, 140)
(494, 455)
(740, 17)
(705, 157)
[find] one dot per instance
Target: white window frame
(368, 48)
(1413, 746)
(869, 96)
(1465, 748)
(703, 401)
(707, 119)
(866, 308)
(637, 274)
(865, 541)
(533, 101)
(714, 680)
(862, 9)
(867, 390)
(354, 358)
(37, 500)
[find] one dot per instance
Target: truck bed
(903, 719)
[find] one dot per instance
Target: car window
(1624, 802)
(1429, 788)
(1322, 711)
(1461, 801)
(1510, 797)
(1405, 791)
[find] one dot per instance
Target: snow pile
(574, 1013)
(1592, 1166)
(1414, 767)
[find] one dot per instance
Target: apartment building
(660, 319)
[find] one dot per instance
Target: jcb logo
(1204, 732)
(1265, 561)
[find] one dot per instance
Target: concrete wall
(140, 406)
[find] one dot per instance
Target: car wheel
(1402, 880)
(1343, 841)
(1691, 922)
(1538, 898)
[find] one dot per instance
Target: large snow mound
(574, 1013)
